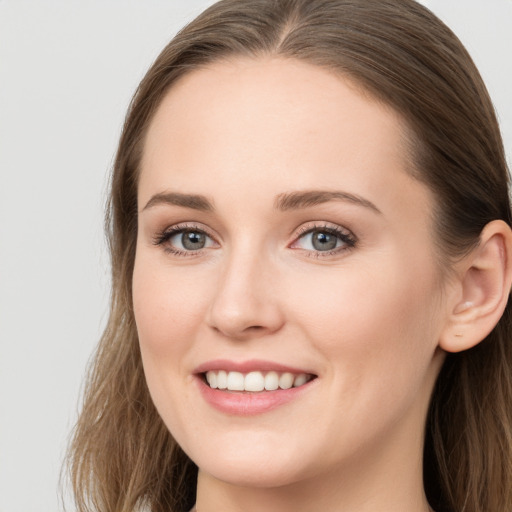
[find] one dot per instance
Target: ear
(482, 289)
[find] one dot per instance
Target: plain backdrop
(67, 72)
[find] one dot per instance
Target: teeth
(211, 377)
(236, 381)
(299, 380)
(255, 381)
(271, 381)
(286, 381)
(222, 380)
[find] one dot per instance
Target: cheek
(167, 315)
(166, 321)
(379, 329)
(377, 336)
(168, 306)
(341, 304)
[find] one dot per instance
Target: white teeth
(236, 381)
(286, 381)
(271, 381)
(255, 381)
(222, 380)
(211, 377)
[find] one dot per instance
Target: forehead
(257, 127)
(286, 100)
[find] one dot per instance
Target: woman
(311, 252)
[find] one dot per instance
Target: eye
(189, 240)
(324, 239)
(184, 240)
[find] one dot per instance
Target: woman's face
(282, 242)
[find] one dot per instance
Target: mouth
(254, 381)
(248, 388)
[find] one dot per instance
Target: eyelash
(164, 236)
(346, 237)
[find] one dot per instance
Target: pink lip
(243, 403)
(246, 366)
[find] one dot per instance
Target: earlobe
(484, 287)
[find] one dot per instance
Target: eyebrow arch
(307, 198)
(284, 202)
(196, 202)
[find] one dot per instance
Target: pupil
(324, 241)
(193, 240)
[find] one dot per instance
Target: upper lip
(248, 366)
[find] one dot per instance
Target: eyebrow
(283, 202)
(196, 202)
(307, 198)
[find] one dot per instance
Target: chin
(251, 474)
(259, 466)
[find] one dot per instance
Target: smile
(255, 381)
(252, 387)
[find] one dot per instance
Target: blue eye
(325, 239)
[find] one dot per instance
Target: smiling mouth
(255, 382)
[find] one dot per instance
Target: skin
(366, 320)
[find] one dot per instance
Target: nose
(245, 303)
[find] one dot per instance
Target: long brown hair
(122, 457)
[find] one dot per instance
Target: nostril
(241, 332)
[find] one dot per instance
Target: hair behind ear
(473, 395)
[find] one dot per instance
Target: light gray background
(67, 72)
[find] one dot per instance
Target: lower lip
(247, 403)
